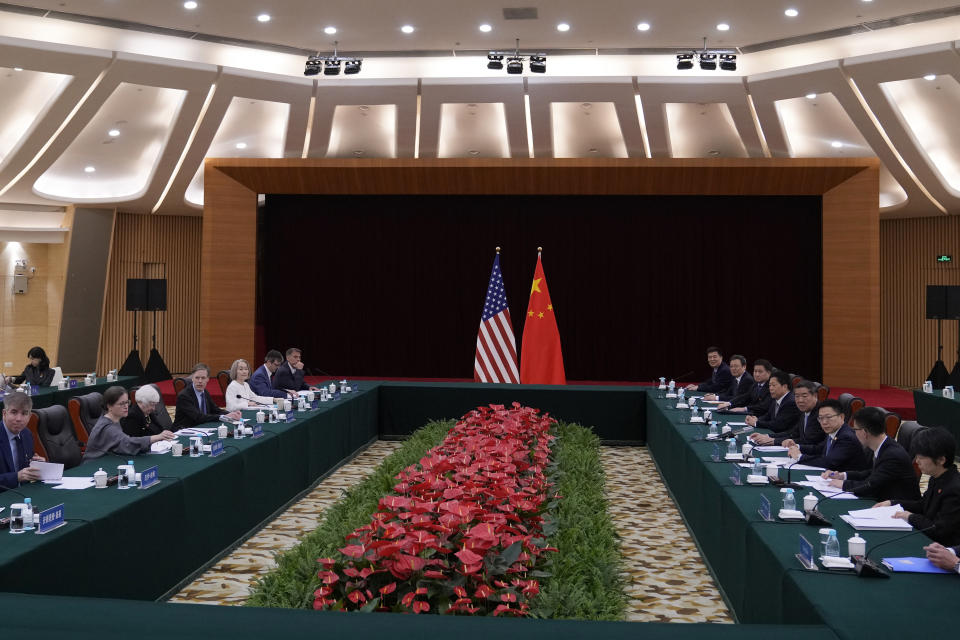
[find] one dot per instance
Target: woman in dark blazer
(38, 372)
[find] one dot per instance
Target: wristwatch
(956, 567)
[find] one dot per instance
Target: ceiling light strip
(310, 112)
(416, 128)
(641, 119)
(883, 134)
(528, 119)
(756, 124)
(63, 125)
(189, 144)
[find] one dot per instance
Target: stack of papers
(828, 490)
(48, 470)
(196, 431)
(879, 519)
(770, 448)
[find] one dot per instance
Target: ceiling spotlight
(930, 77)
(563, 26)
(515, 64)
(486, 28)
(189, 4)
(495, 61)
(643, 26)
(351, 67)
(314, 66)
(723, 26)
(331, 67)
(684, 61)
(836, 144)
(113, 133)
(728, 61)
(89, 169)
(791, 13)
(18, 68)
(407, 28)
(708, 61)
(538, 64)
(241, 145)
(329, 30)
(263, 17)
(811, 96)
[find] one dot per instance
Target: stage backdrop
(394, 285)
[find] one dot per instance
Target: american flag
(496, 358)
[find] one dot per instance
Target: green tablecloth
(754, 560)
(933, 410)
(50, 396)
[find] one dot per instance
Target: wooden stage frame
(850, 226)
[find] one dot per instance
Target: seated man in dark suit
(262, 380)
(933, 450)
(840, 450)
(741, 384)
(891, 475)
(782, 412)
(720, 377)
(757, 400)
(806, 430)
(194, 404)
(16, 450)
(290, 374)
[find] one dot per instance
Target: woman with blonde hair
(239, 395)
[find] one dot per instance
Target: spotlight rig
(515, 58)
(707, 59)
(330, 65)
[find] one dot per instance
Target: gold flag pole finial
(498, 250)
(539, 250)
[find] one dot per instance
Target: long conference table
(933, 410)
(123, 550)
(49, 396)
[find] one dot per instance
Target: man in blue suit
(741, 384)
(841, 450)
(16, 451)
(262, 382)
(720, 376)
(782, 413)
(290, 374)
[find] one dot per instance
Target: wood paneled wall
(849, 185)
(908, 249)
(151, 246)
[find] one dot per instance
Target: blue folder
(913, 565)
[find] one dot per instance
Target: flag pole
(539, 251)
(498, 250)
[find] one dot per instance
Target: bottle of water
(132, 472)
(732, 447)
(238, 430)
(789, 504)
(757, 466)
(833, 545)
(713, 429)
(27, 514)
(694, 411)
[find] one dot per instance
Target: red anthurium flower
(460, 591)
(483, 591)
(353, 551)
(420, 605)
(388, 588)
(502, 608)
(437, 575)
(468, 557)
(323, 591)
(352, 572)
(356, 596)
(327, 562)
(407, 599)
(328, 577)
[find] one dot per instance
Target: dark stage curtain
(394, 285)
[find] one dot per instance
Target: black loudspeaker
(136, 294)
(936, 302)
(953, 303)
(156, 294)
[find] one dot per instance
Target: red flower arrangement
(463, 532)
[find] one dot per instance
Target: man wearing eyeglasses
(194, 404)
(840, 450)
(807, 429)
(890, 476)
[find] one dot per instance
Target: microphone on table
(867, 568)
(787, 484)
(240, 397)
(817, 519)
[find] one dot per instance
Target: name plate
(216, 448)
(257, 431)
(290, 416)
(51, 519)
(764, 508)
(73, 384)
(715, 456)
(149, 477)
(805, 554)
(735, 474)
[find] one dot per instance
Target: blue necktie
(200, 403)
(829, 442)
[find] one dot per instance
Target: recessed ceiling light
(407, 28)
(241, 145)
(930, 76)
(486, 28)
(643, 26)
(330, 30)
(18, 68)
(113, 133)
(723, 26)
(563, 26)
(811, 96)
(89, 169)
(263, 17)
(791, 13)
(189, 4)
(836, 144)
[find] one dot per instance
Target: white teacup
(177, 449)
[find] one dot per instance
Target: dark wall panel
(394, 285)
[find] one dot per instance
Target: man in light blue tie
(17, 452)
(194, 405)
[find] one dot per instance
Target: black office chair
(85, 410)
(908, 429)
(56, 433)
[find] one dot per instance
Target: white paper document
(770, 448)
(876, 513)
(48, 470)
(736, 424)
(161, 446)
(196, 431)
(877, 524)
(74, 483)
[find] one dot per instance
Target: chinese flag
(541, 359)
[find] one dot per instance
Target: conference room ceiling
(118, 103)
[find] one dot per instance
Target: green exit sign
(944, 258)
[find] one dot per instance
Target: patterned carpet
(652, 536)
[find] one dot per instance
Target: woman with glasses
(108, 436)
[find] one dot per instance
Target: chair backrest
(55, 430)
(794, 380)
(844, 399)
(179, 384)
(85, 410)
(223, 377)
(855, 405)
(908, 429)
(37, 442)
(891, 422)
(823, 392)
